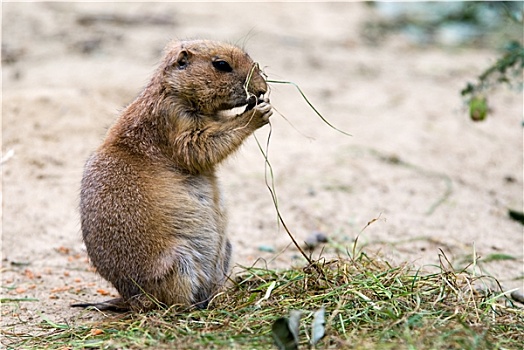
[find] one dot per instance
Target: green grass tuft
(369, 305)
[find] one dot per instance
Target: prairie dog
(151, 212)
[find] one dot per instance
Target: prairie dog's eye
(222, 66)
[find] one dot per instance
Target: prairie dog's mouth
(251, 102)
(233, 112)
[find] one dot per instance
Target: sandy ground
(434, 179)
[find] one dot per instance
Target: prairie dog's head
(212, 78)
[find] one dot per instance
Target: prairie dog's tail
(117, 304)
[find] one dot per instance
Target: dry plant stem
(271, 188)
(309, 103)
(250, 75)
(354, 250)
(291, 124)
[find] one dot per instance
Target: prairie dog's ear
(178, 58)
(182, 59)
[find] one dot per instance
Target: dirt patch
(434, 179)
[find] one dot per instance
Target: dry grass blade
(309, 103)
(272, 191)
(269, 169)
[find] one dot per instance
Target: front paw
(260, 113)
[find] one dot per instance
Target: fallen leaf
(318, 327)
(61, 289)
(96, 331)
(29, 274)
(284, 338)
(102, 291)
(62, 250)
(294, 323)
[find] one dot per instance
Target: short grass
(369, 305)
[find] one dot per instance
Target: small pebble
(517, 296)
(266, 248)
(314, 239)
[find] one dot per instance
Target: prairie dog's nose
(258, 85)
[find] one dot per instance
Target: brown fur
(151, 212)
